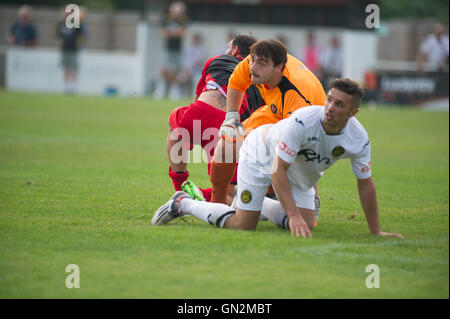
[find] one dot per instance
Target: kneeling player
(292, 156)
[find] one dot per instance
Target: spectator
(310, 54)
(23, 31)
(173, 31)
(330, 60)
(72, 40)
(194, 56)
(434, 49)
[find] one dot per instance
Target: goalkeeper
(285, 84)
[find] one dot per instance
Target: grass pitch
(80, 178)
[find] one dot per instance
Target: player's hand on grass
(382, 233)
(298, 226)
(231, 128)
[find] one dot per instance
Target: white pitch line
(394, 258)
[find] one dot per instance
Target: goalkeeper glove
(231, 128)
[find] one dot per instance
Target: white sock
(211, 213)
(273, 211)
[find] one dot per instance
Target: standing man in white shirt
(292, 156)
(434, 50)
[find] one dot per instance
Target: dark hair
(243, 42)
(271, 49)
(351, 88)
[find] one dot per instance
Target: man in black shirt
(23, 32)
(173, 31)
(72, 39)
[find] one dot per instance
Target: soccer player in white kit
(292, 156)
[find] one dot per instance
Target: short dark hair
(351, 88)
(270, 49)
(243, 42)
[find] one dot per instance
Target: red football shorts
(198, 124)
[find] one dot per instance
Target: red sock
(178, 178)
(206, 193)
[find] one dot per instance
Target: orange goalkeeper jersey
(299, 87)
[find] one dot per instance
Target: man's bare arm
(368, 198)
(234, 99)
(281, 184)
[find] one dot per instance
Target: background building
(123, 47)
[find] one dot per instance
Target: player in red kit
(199, 122)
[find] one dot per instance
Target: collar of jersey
(325, 132)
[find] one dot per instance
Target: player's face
(262, 70)
(338, 110)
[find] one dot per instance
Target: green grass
(80, 178)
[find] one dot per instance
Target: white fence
(39, 69)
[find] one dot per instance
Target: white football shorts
(254, 176)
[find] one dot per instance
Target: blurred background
(397, 49)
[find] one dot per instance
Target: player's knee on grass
(243, 220)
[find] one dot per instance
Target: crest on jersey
(273, 108)
(338, 151)
(246, 197)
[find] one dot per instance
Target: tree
(437, 9)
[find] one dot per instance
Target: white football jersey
(302, 141)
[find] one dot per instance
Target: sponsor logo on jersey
(274, 108)
(313, 139)
(338, 151)
(310, 155)
(246, 196)
(282, 145)
(367, 168)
